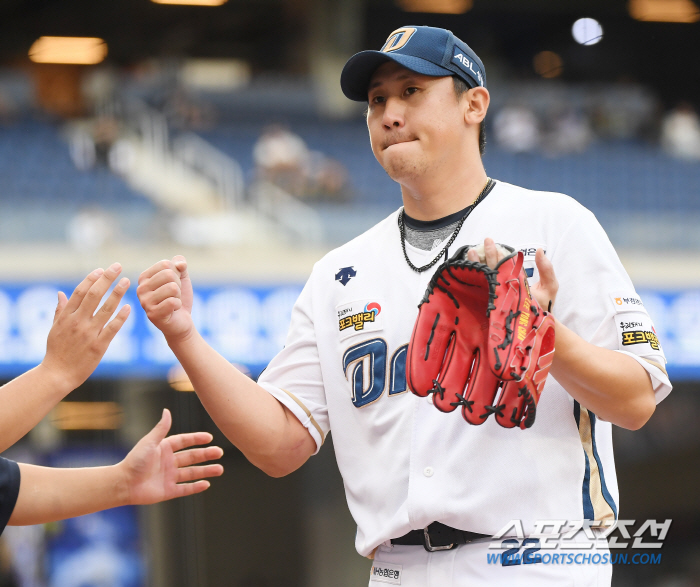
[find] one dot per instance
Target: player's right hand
(81, 333)
(165, 293)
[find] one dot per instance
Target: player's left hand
(544, 291)
(158, 469)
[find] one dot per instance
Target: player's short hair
(460, 87)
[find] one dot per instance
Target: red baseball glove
(479, 331)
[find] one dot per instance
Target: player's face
(415, 122)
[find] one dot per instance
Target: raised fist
(165, 293)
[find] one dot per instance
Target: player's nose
(393, 114)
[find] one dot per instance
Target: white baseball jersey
(404, 463)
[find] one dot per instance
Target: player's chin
(401, 167)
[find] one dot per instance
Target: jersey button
(428, 471)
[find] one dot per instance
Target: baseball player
(428, 489)
(155, 470)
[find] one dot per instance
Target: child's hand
(158, 469)
(80, 333)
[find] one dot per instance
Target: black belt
(437, 536)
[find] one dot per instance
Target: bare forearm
(47, 495)
(254, 421)
(25, 401)
(611, 384)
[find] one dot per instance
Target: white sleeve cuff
(303, 414)
(657, 371)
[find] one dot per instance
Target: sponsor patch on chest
(386, 573)
(359, 316)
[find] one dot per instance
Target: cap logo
(398, 39)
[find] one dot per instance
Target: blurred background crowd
(137, 130)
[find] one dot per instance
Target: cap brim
(358, 71)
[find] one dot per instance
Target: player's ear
(476, 104)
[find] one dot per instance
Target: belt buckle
(429, 547)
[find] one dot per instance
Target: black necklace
(402, 230)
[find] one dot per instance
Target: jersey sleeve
(294, 376)
(9, 490)
(597, 299)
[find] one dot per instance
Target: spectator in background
(282, 158)
(680, 132)
(623, 111)
(570, 132)
(90, 144)
(186, 112)
(329, 178)
(104, 133)
(516, 129)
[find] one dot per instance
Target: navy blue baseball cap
(423, 49)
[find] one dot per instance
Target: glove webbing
(490, 274)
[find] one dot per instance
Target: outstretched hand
(81, 333)
(544, 291)
(158, 469)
